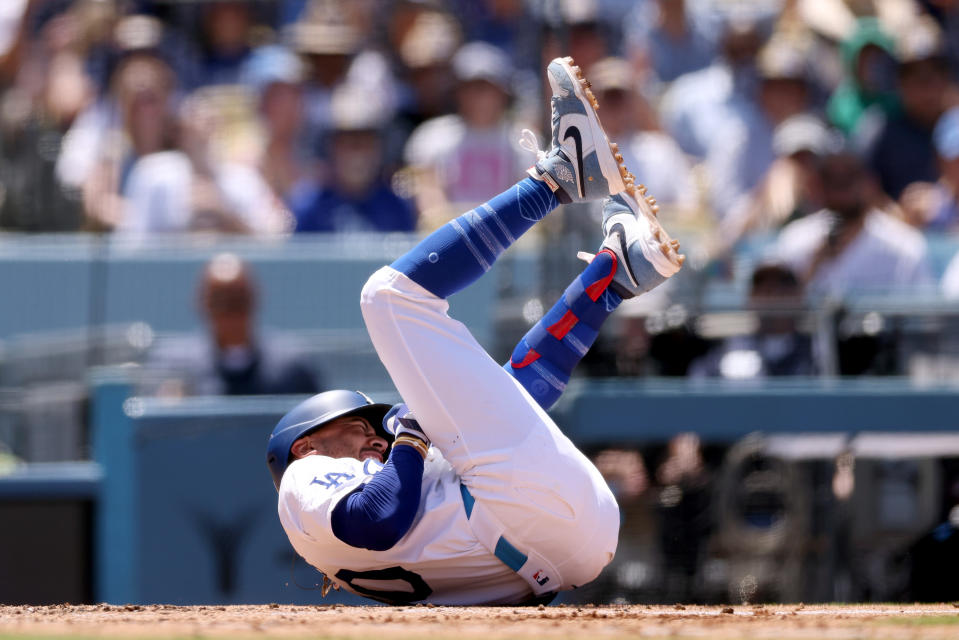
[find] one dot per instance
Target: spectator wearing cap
(776, 347)
(328, 47)
(903, 152)
(459, 159)
(669, 38)
(631, 122)
(276, 76)
(425, 43)
(850, 247)
(232, 357)
(789, 190)
(356, 196)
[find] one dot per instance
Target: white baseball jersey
(439, 560)
(509, 509)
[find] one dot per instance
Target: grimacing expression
(346, 437)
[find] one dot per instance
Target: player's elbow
(375, 535)
(384, 539)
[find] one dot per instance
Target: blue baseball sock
(463, 249)
(544, 359)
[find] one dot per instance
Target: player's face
(348, 437)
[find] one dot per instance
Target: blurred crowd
(830, 127)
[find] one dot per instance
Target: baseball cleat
(581, 164)
(645, 254)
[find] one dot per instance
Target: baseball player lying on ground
(481, 500)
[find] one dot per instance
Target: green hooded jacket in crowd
(851, 99)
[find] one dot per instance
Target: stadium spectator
(45, 98)
(703, 102)
(789, 189)
(742, 152)
(357, 196)
(869, 78)
(425, 44)
(97, 140)
(233, 357)
(189, 188)
(327, 45)
(576, 28)
(458, 158)
(776, 348)
(850, 246)
(669, 38)
(143, 88)
(276, 74)
(225, 40)
(504, 24)
(903, 152)
(935, 206)
(632, 123)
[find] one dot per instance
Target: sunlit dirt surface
(750, 622)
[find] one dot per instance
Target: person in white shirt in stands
(459, 159)
(189, 189)
(849, 246)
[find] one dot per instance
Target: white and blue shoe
(582, 164)
(645, 254)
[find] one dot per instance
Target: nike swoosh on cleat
(573, 132)
(619, 230)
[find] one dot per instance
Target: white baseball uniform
(509, 509)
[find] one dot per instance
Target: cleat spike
(681, 259)
(655, 209)
(623, 172)
(675, 244)
(614, 147)
(619, 157)
(664, 248)
(642, 189)
(576, 69)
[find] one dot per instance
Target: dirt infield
(497, 623)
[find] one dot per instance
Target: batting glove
(400, 422)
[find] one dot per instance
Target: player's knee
(376, 291)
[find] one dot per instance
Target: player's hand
(400, 422)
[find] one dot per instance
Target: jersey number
(332, 480)
(420, 590)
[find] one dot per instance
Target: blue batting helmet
(313, 413)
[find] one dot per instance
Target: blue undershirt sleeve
(378, 514)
